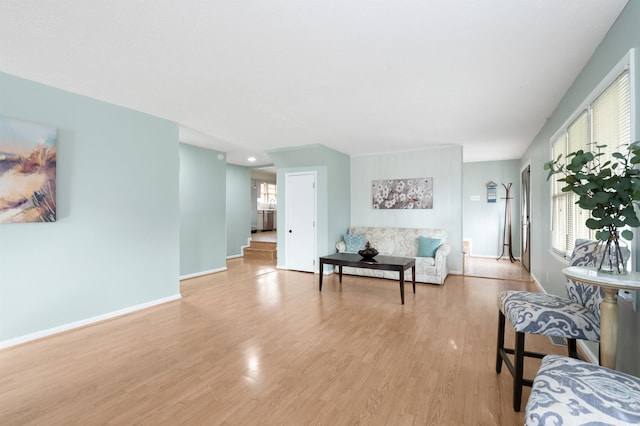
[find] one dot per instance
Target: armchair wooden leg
(599, 354)
(516, 367)
(500, 348)
(519, 369)
(573, 348)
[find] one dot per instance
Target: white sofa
(403, 242)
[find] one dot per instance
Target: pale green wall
(115, 242)
(238, 208)
(483, 222)
(333, 202)
(443, 164)
(546, 268)
(203, 246)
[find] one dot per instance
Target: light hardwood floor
(490, 267)
(256, 345)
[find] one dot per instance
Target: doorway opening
(264, 200)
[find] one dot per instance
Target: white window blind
(611, 115)
(606, 121)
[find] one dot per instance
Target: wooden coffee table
(385, 263)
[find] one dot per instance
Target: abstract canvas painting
(414, 193)
(27, 172)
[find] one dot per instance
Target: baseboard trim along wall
(82, 323)
(199, 274)
(535, 280)
(497, 256)
(587, 353)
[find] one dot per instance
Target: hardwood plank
(256, 345)
(490, 267)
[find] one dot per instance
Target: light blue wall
(203, 174)
(483, 222)
(547, 268)
(115, 242)
(333, 177)
(339, 187)
(238, 208)
(443, 164)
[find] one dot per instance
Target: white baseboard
(199, 274)
(591, 357)
(82, 323)
(486, 256)
(535, 280)
(235, 256)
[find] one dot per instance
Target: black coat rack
(506, 232)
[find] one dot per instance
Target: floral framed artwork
(415, 193)
(27, 172)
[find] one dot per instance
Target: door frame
(525, 219)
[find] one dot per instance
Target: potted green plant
(608, 187)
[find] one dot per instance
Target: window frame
(626, 64)
(267, 194)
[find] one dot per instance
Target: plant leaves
(607, 186)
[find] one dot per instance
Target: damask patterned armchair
(575, 317)
(568, 391)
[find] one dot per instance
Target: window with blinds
(268, 196)
(605, 121)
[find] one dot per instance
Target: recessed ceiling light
(251, 159)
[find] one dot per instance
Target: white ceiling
(358, 76)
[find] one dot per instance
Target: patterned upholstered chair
(576, 317)
(568, 391)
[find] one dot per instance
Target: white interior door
(300, 233)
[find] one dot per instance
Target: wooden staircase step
(263, 245)
(261, 250)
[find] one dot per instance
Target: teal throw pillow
(354, 242)
(428, 246)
